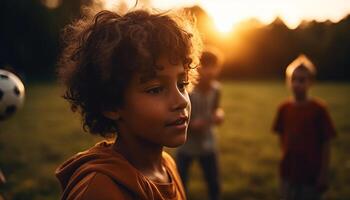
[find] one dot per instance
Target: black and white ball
(11, 94)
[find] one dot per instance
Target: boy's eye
(183, 85)
(155, 90)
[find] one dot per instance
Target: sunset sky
(226, 13)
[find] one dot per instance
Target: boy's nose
(179, 101)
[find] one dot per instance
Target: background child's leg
(183, 163)
(209, 164)
(310, 192)
(2, 181)
(287, 191)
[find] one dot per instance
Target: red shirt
(303, 128)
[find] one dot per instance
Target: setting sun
(227, 13)
(222, 22)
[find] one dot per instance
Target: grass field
(45, 133)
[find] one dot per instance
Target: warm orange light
(223, 26)
(224, 18)
(52, 4)
(227, 13)
(109, 4)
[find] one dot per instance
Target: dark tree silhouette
(29, 41)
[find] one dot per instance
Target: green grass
(45, 133)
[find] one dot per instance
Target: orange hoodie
(101, 173)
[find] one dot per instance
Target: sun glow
(225, 20)
(228, 13)
(222, 23)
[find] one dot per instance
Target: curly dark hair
(102, 52)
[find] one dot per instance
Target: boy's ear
(113, 115)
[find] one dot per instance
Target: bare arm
(218, 116)
(2, 178)
(322, 180)
(218, 113)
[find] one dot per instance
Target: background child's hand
(2, 178)
(199, 125)
(218, 116)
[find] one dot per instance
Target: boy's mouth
(178, 121)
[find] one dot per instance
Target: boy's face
(207, 73)
(156, 109)
(300, 82)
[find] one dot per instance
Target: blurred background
(258, 38)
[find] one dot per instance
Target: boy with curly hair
(128, 75)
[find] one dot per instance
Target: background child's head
(210, 61)
(104, 51)
(300, 75)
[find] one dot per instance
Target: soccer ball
(11, 94)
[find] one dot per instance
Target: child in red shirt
(305, 129)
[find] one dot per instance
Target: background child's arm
(218, 112)
(2, 178)
(198, 125)
(328, 133)
(322, 182)
(278, 125)
(218, 116)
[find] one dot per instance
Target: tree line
(30, 42)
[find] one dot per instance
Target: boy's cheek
(189, 107)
